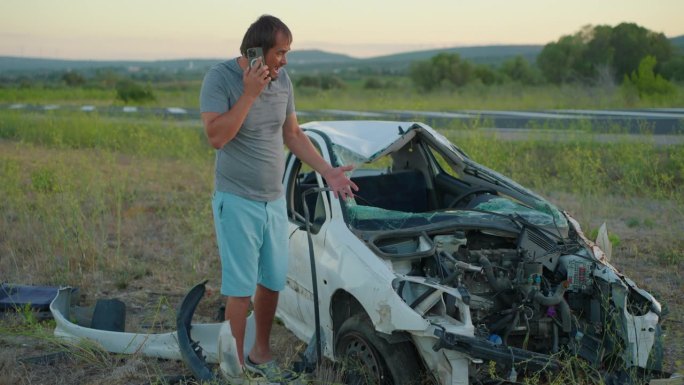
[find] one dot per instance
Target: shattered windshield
(345, 156)
(367, 218)
(542, 214)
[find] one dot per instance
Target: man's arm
(222, 128)
(301, 146)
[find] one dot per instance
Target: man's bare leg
(265, 303)
(236, 314)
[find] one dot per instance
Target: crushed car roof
(368, 138)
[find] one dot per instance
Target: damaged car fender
(368, 283)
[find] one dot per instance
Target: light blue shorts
(252, 242)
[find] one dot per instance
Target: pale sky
(175, 29)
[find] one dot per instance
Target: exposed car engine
(536, 290)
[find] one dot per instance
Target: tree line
(642, 62)
(627, 54)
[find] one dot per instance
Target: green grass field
(120, 206)
(398, 95)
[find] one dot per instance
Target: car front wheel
(370, 359)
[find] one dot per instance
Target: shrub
(73, 79)
(309, 81)
(323, 81)
(128, 90)
(487, 75)
(647, 83)
(329, 82)
(373, 84)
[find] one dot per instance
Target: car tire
(371, 359)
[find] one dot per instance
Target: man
(248, 115)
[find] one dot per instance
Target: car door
(297, 301)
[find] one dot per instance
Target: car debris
(208, 350)
(16, 297)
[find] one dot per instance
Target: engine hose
(553, 299)
(510, 327)
(554, 349)
(499, 284)
(565, 316)
(557, 299)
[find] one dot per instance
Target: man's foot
(270, 371)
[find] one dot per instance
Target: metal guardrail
(656, 121)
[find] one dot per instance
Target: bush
(73, 79)
(487, 75)
(329, 82)
(646, 82)
(309, 81)
(128, 90)
(324, 82)
(373, 84)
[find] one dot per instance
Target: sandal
(270, 371)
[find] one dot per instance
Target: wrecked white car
(438, 270)
(443, 268)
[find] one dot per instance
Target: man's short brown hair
(262, 33)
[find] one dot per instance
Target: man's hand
(338, 182)
(255, 79)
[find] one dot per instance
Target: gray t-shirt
(250, 165)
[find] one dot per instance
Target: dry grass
(103, 221)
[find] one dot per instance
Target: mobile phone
(253, 54)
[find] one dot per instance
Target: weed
(43, 180)
(613, 238)
(671, 257)
(28, 315)
(125, 276)
(648, 223)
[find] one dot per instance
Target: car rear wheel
(370, 359)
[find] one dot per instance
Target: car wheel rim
(364, 357)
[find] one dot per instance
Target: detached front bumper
(160, 345)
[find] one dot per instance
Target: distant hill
(298, 61)
(26, 64)
(304, 61)
(493, 54)
(678, 43)
(315, 56)
(490, 53)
